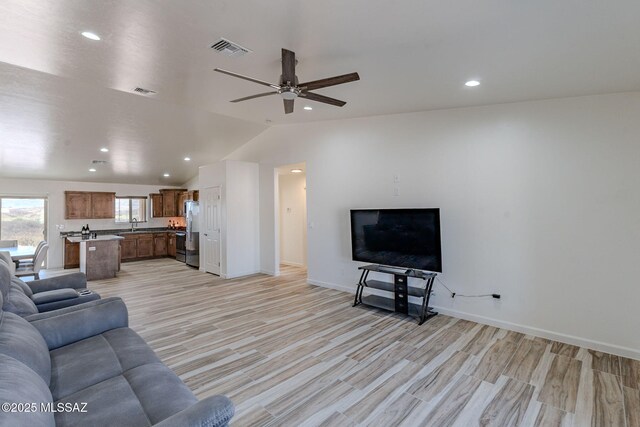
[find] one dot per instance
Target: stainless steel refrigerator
(192, 241)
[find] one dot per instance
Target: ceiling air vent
(99, 162)
(229, 48)
(143, 91)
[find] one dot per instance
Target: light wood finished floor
(288, 353)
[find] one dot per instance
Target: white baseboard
(269, 272)
(543, 333)
(241, 274)
(349, 289)
(292, 264)
(529, 330)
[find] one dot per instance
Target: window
(23, 219)
(130, 208)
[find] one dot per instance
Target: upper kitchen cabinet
(165, 204)
(182, 197)
(103, 205)
(156, 205)
(77, 205)
(89, 205)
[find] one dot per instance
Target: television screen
(408, 238)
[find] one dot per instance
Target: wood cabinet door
(156, 205)
(160, 244)
(71, 254)
(171, 245)
(145, 246)
(182, 196)
(128, 248)
(103, 205)
(77, 205)
(169, 203)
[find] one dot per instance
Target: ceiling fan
(290, 89)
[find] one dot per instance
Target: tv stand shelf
(399, 291)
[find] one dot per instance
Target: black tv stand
(399, 291)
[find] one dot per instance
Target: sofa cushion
(5, 279)
(56, 305)
(20, 384)
(20, 340)
(111, 402)
(159, 390)
(25, 288)
(54, 295)
(143, 396)
(18, 303)
(92, 360)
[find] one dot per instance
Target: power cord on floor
(454, 294)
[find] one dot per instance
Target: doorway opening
(292, 218)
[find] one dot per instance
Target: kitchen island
(99, 256)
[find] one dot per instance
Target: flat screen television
(407, 238)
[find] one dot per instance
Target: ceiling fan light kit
(289, 89)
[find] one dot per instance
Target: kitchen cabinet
(193, 195)
(77, 205)
(169, 202)
(166, 203)
(103, 205)
(182, 197)
(71, 254)
(129, 247)
(144, 247)
(156, 205)
(171, 244)
(89, 205)
(160, 244)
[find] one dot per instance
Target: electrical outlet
(396, 191)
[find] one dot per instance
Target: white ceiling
(57, 97)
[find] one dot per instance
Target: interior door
(211, 201)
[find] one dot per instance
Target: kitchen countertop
(79, 239)
(65, 234)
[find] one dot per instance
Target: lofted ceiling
(62, 96)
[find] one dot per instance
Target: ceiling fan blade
(321, 98)
(331, 81)
(288, 106)
(254, 96)
(288, 67)
(251, 79)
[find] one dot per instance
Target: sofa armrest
(71, 324)
(214, 411)
(73, 280)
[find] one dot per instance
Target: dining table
(20, 252)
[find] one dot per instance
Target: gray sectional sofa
(83, 366)
(38, 296)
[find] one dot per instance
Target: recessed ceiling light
(472, 83)
(187, 159)
(90, 35)
(92, 170)
(296, 170)
(104, 149)
(166, 175)
(307, 107)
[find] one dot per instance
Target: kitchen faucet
(134, 221)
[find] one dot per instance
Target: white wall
(239, 234)
(293, 219)
(539, 202)
(54, 191)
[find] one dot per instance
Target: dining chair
(28, 262)
(8, 243)
(34, 270)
